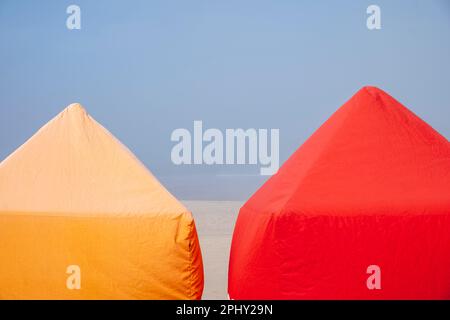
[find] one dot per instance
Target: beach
(215, 222)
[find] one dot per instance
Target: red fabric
(370, 187)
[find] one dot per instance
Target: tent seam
(191, 271)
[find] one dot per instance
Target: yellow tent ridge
(82, 218)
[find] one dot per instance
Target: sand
(215, 222)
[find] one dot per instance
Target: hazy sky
(145, 68)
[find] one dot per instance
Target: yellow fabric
(74, 195)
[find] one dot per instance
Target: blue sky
(145, 68)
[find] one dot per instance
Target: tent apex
(75, 108)
(373, 91)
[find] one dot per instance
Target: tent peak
(77, 166)
(374, 92)
(371, 97)
(372, 89)
(76, 109)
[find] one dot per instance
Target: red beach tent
(360, 211)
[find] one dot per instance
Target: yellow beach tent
(82, 218)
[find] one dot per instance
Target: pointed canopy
(74, 165)
(372, 155)
(371, 187)
(74, 196)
